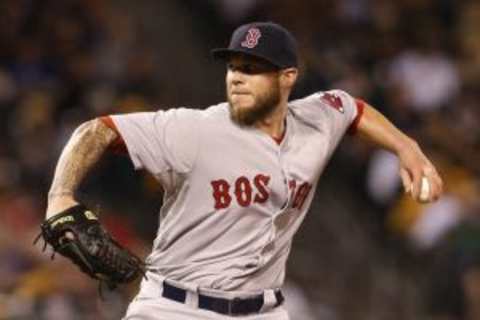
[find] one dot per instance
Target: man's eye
(249, 69)
(246, 68)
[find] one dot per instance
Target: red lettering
(301, 195)
(221, 194)
(243, 191)
(261, 182)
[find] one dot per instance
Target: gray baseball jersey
(234, 197)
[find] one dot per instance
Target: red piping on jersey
(118, 145)
(360, 107)
(279, 140)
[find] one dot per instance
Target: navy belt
(235, 306)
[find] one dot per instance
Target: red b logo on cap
(251, 40)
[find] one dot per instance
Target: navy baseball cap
(266, 40)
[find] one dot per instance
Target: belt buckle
(231, 305)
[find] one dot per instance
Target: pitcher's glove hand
(76, 234)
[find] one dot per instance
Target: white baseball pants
(149, 304)
(166, 309)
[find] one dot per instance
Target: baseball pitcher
(238, 180)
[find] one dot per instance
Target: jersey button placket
(268, 248)
(283, 210)
(283, 165)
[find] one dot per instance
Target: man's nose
(236, 77)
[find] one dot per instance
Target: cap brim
(224, 53)
(221, 53)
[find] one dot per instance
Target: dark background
(365, 250)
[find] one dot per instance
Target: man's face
(253, 89)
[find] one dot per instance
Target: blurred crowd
(366, 251)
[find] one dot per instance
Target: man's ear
(288, 77)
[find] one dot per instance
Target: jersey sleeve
(161, 141)
(334, 112)
(360, 104)
(341, 110)
(118, 145)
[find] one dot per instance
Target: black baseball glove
(76, 234)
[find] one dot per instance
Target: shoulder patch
(333, 101)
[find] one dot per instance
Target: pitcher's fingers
(437, 185)
(406, 180)
(438, 177)
(416, 177)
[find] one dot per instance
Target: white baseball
(425, 190)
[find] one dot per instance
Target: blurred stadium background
(365, 250)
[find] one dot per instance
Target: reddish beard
(264, 105)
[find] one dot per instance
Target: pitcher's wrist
(58, 202)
